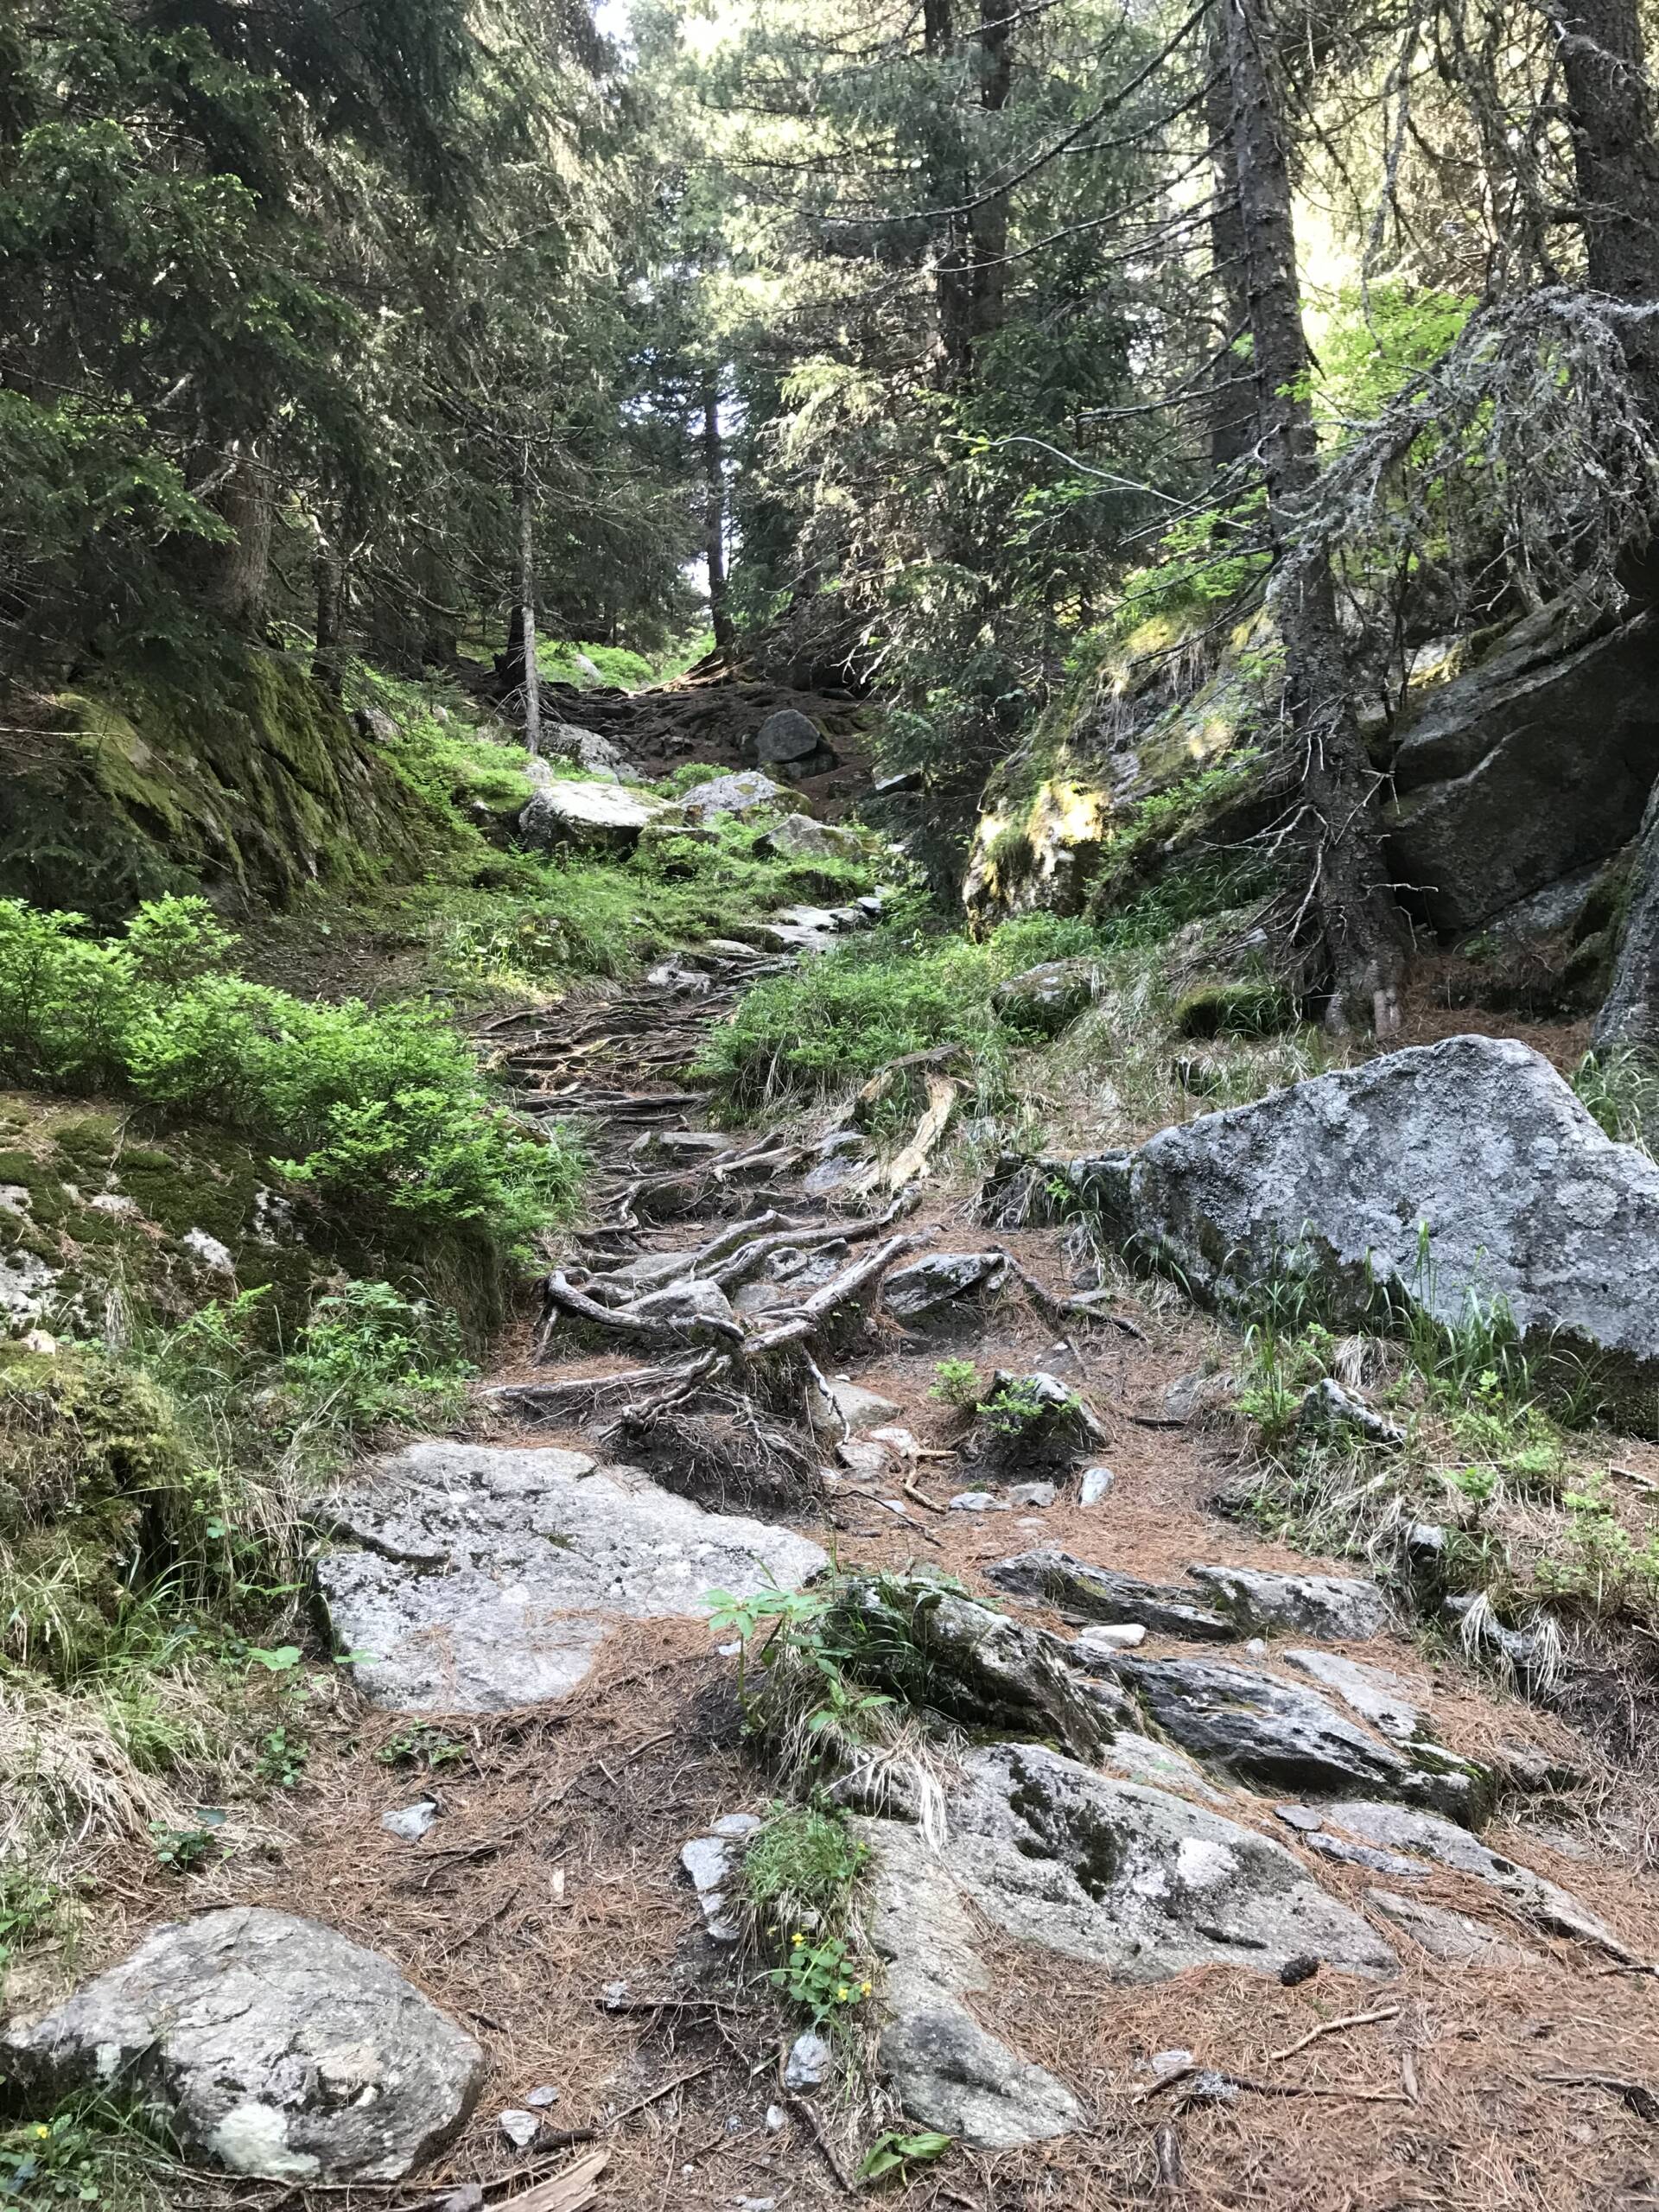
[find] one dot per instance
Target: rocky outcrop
(930, 1289)
(1080, 1592)
(1532, 763)
(1452, 1170)
(798, 837)
(269, 2044)
(469, 1580)
(1263, 1730)
(1336, 1606)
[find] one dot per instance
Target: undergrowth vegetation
(1467, 1472)
(376, 1108)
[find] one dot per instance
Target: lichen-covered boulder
(799, 837)
(269, 2044)
(1434, 1175)
(742, 792)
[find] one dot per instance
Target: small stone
(520, 2128)
(117, 1205)
(614, 1995)
(410, 1822)
(1163, 2064)
(38, 1340)
(756, 2204)
(1096, 1481)
(1257, 1647)
(1297, 1970)
(1113, 1636)
(209, 1251)
(736, 1824)
(539, 2099)
(977, 1501)
(1030, 1494)
(809, 2061)
(777, 2119)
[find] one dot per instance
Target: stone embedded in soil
(1398, 1828)
(797, 836)
(598, 818)
(478, 1578)
(1264, 1732)
(810, 2060)
(410, 1822)
(931, 1286)
(977, 1501)
(712, 1862)
(1032, 1494)
(521, 2128)
(1340, 1606)
(1452, 1936)
(1093, 1485)
(1112, 1636)
(787, 734)
(1377, 1696)
(1083, 1592)
(850, 1405)
(268, 2044)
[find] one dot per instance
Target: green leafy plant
(894, 2152)
(422, 1746)
(1018, 1409)
(182, 1850)
(282, 1758)
(821, 1978)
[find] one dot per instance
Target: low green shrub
(379, 1108)
(836, 1020)
(1253, 1006)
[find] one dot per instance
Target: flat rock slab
(1400, 1829)
(1083, 1592)
(1269, 1733)
(1376, 1694)
(599, 817)
(269, 2044)
(1337, 1605)
(478, 1579)
(1452, 1936)
(1478, 1142)
(934, 1283)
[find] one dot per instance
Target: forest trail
(546, 1906)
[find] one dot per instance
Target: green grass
(837, 1020)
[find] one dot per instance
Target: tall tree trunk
(988, 224)
(1364, 932)
(525, 592)
(947, 184)
(237, 592)
(328, 579)
(1232, 414)
(1611, 110)
(713, 516)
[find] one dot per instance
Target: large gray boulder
(787, 736)
(470, 1580)
(594, 818)
(799, 837)
(1447, 1170)
(1338, 1606)
(268, 2044)
(1533, 762)
(947, 2071)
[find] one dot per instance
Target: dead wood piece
(544, 1400)
(831, 2157)
(1166, 2157)
(908, 1165)
(573, 2190)
(1336, 2027)
(560, 1295)
(921, 1497)
(1635, 2096)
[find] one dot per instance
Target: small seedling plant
(894, 2153)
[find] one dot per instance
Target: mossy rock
(1249, 1007)
(247, 780)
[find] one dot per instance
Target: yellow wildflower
(797, 1937)
(841, 1995)
(863, 1988)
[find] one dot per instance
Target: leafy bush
(383, 1107)
(838, 1019)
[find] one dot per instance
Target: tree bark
(237, 592)
(713, 517)
(1232, 414)
(1363, 932)
(1611, 112)
(525, 594)
(1630, 1014)
(988, 224)
(328, 579)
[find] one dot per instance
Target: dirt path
(546, 1908)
